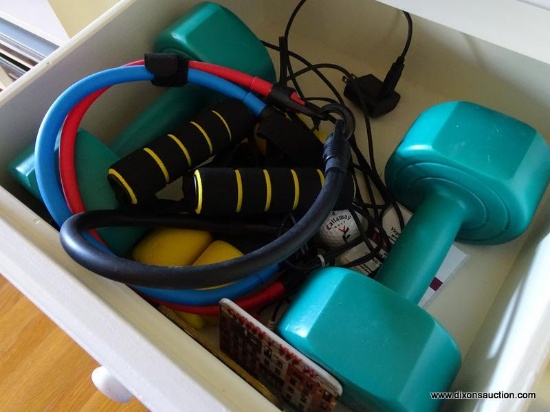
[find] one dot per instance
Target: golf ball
(339, 228)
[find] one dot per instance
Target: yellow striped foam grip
(137, 177)
(248, 191)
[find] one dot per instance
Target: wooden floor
(41, 368)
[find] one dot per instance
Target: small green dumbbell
(466, 171)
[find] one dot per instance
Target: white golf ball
(339, 228)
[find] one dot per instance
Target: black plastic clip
(169, 69)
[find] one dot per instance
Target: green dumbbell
(207, 32)
(466, 171)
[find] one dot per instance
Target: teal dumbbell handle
(422, 246)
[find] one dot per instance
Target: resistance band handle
(137, 177)
(226, 191)
(418, 253)
(288, 140)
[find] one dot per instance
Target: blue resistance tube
(226, 88)
(46, 167)
(52, 192)
(205, 297)
(46, 173)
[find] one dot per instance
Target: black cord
(394, 73)
(288, 64)
(315, 68)
(372, 168)
(283, 60)
(292, 17)
(367, 168)
(310, 67)
(409, 34)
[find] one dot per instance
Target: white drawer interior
(485, 306)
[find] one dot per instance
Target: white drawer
(496, 306)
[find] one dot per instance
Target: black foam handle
(248, 191)
(300, 146)
(137, 177)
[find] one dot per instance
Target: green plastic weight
(466, 172)
(209, 33)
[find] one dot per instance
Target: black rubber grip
(296, 144)
(137, 177)
(248, 191)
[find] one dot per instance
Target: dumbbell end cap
(496, 165)
(387, 352)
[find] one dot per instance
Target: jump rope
(63, 199)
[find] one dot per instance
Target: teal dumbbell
(207, 32)
(467, 172)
